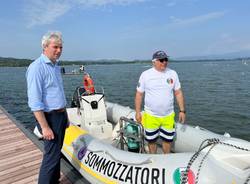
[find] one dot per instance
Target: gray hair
(56, 35)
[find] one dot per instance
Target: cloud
(42, 12)
(177, 22)
(107, 2)
(226, 43)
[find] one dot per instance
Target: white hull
(98, 161)
(187, 139)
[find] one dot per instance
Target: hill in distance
(245, 54)
(225, 56)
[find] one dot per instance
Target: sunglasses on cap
(163, 60)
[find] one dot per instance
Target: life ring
(88, 84)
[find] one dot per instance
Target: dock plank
(21, 173)
(20, 158)
(17, 151)
(14, 145)
(19, 167)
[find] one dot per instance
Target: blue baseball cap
(159, 55)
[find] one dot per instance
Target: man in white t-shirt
(159, 84)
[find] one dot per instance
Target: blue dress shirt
(44, 85)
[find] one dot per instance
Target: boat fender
(88, 84)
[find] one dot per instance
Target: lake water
(217, 94)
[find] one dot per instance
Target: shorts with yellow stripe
(159, 126)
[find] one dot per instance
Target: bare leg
(152, 147)
(166, 146)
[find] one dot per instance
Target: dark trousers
(50, 167)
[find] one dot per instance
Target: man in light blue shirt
(45, 86)
(47, 101)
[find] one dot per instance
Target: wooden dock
(21, 155)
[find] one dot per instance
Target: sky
(125, 29)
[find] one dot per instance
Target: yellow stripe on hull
(71, 134)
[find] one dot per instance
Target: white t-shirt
(159, 90)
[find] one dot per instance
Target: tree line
(14, 62)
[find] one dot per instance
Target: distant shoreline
(15, 62)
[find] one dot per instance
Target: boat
(106, 145)
(74, 71)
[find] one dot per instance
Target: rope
(247, 180)
(210, 142)
(234, 146)
(201, 163)
(184, 179)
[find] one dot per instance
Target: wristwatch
(183, 111)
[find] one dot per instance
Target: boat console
(90, 113)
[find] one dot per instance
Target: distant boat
(74, 71)
(245, 61)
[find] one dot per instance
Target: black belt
(56, 111)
